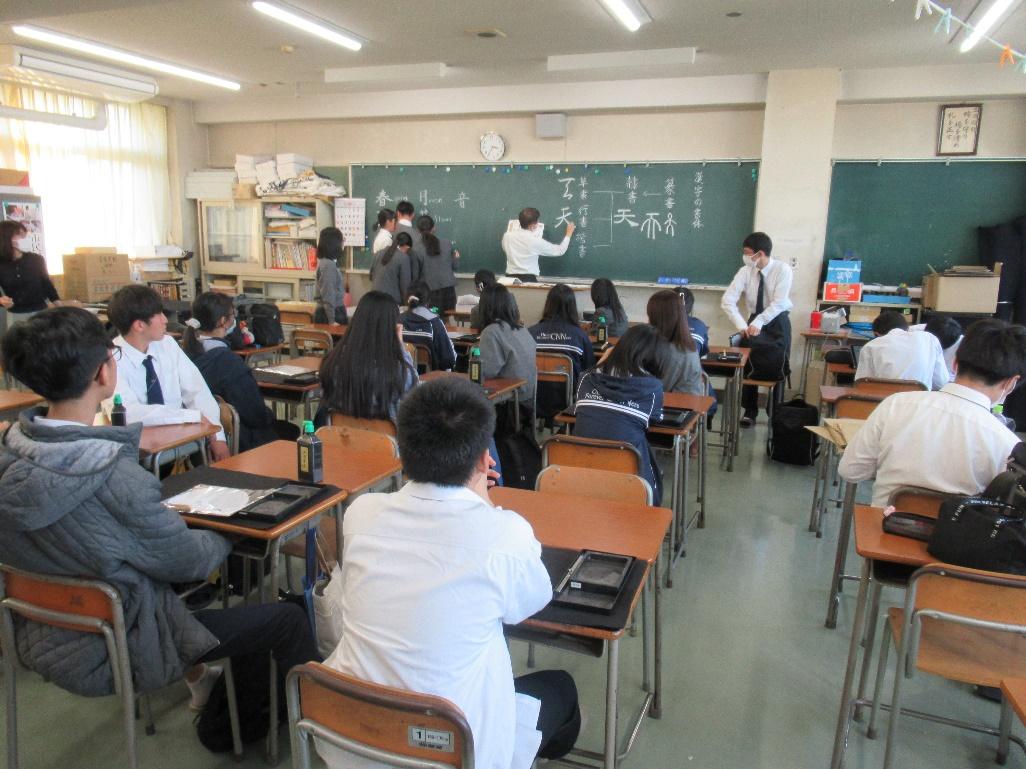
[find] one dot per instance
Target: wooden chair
(385, 426)
(86, 606)
(915, 499)
(855, 406)
(296, 317)
(599, 484)
(887, 387)
(963, 625)
(309, 341)
(383, 724)
(572, 451)
(230, 422)
(357, 439)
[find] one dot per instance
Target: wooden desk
(301, 395)
(577, 523)
(159, 440)
(12, 402)
(734, 374)
(254, 354)
(336, 330)
(815, 339)
(494, 388)
(836, 369)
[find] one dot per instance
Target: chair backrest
(980, 595)
(598, 484)
(421, 355)
(374, 425)
(310, 340)
(230, 422)
(572, 451)
(557, 368)
(296, 317)
(387, 725)
(855, 406)
(887, 386)
(356, 439)
(83, 605)
(915, 499)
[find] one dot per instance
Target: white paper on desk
(527, 739)
(286, 370)
(221, 501)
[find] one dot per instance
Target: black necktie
(758, 297)
(153, 392)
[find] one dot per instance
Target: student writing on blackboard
(764, 285)
(523, 246)
(438, 269)
(391, 271)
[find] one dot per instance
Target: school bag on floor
(252, 693)
(788, 440)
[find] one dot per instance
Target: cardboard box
(10, 177)
(956, 293)
(244, 191)
(93, 277)
(842, 292)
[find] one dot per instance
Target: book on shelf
(287, 211)
(293, 255)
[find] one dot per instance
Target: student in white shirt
(385, 227)
(900, 353)
(431, 573)
(157, 382)
(948, 333)
(949, 440)
(764, 285)
(523, 246)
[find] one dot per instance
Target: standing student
(227, 375)
(698, 327)
(331, 287)
(898, 353)
(559, 331)
(25, 285)
(683, 370)
(157, 382)
(618, 398)
(507, 348)
(422, 326)
(438, 269)
(763, 285)
(524, 245)
(385, 227)
(390, 272)
(607, 305)
(369, 370)
(404, 224)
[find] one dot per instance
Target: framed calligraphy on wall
(959, 132)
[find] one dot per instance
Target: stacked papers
(839, 432)
(245, 167)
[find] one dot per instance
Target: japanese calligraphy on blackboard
(959, 129)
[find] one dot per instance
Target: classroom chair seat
(573, 451)
(599, 484)
(887, 387)
(310, 341)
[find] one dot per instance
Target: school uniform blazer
(228, 376)
(439, 271)
(421, 326)
(416, 251)
(565, 339)
(393, 278)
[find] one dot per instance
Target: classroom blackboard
(636, 221)
(900, 217)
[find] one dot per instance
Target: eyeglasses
(115, 355)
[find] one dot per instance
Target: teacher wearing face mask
(763, 285)
(525, 244)
(25, 286)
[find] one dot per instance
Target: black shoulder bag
(980, 533)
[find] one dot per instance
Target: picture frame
(959, 130)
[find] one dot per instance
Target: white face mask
(23, 244)
(231, 328)
(747, 259)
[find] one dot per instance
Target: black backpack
(521, 459)
(252, 676)
(788, 440)
(265, 324)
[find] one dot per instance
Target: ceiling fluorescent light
(113, 54)
(311, 24)
(989, 19)
(387, 72)
(630, 13)
(659, 57)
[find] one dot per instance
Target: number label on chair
(432, 739)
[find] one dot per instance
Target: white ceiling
(228, 38)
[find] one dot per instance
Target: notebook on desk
(671, 418)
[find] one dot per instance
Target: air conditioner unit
(44, 69)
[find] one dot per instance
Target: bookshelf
(263, 247)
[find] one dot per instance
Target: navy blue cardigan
(227, 375)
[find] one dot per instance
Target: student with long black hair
(366, 374)
(331, 286)
(385, 228)
(226, 374)
(507, 348)
(391, 272)
(421, 325)
(559, 331)
(438, 268)
(607, 305)
(482, 279)
(617, 399)
(683, 372)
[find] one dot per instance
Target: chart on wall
(635, 221)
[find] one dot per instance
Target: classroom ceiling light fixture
(310, 24)
(124, 57)
(630, 13)
(990, 18)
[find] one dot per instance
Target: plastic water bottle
(998, 410)
(601, 332)
(310, 455)
(474, 367)
(118, 414)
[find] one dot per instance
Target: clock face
(493, 146)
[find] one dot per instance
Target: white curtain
(98, 188)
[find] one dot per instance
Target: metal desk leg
(272, 734)
(612, 698)
(843, 720)
(656, 711)
(819, 487)
(806, 354)
(843, 537)
(702, 429)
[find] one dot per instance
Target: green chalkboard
(899, 217)
(635, 222)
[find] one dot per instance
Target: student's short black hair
(405, 208)
(57, 352)
(528, 216)
(991, 351)
(443, 428)
(498, 303)
(945, 328)
(641, 351)
(484, 278)
(688, 298)
(759, 241)
(887, 321)
(132, 303)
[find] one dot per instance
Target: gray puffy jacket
(74, 501)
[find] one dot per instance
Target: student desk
(336, 330)
(835, 369)
(585, 523)
(254, 354)
(160, 439)
(461, 317)
(734, 374)
(494, 388)
(295, 394)
(12, 402)
(814, 340)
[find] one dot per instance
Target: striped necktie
(153, 392)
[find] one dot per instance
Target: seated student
(430, 574)
(227, 375)
(947, 440)
(157, 382)
(897, 353)
(391, 271)
(74, 501)
(422, 326)
(948, 333)
(559, 331)
(698, 327)
(482, 279)
(617, 399)
(507, 348)
(369, 370)
(331, 286)
(607, 305)
(683, 372)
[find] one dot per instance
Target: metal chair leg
(147, 714)
(10, 688)
(530, 656)
(881, 672)
(899, 676)
(233, 710)
(1004, 731)
(871, 619)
